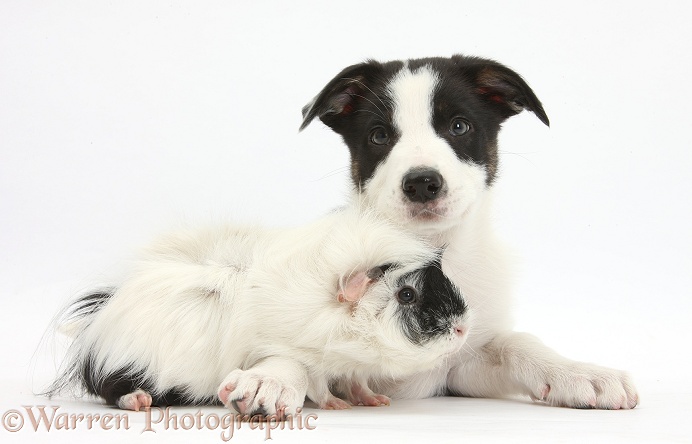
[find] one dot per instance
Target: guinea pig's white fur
(251, 315)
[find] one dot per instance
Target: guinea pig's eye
(379, 136)
(407, 295)
(459, 127)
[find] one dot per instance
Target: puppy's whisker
(382, 113)
(514, 152)
(371, 112)
(519, 155)
(335, 172)
(369, 89)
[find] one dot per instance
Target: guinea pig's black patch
(112, 385)
(438, 306)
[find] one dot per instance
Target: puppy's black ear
(503, 88)
(340, 96)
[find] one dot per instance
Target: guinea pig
(258, 318)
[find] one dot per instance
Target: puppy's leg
(136, 400)
(518, 363)
(274, 386)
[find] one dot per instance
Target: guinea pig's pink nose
(459, 330)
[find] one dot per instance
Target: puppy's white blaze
(419, 146)
(412, 94)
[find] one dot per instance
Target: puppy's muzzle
(422, 185)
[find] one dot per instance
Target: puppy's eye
(407, 295)
(379, 136)
(459, 127)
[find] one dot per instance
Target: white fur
(497, 361)
(233, 310)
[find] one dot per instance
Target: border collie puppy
(422, 135)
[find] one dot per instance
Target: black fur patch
(353, 104)
(87, 305)
(81, 310)
(481, 91)
(439, 306)
(126, 380)
(110, 386)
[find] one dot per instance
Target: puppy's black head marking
(356, 105)
(473, 92)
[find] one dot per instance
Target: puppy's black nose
(422, 185)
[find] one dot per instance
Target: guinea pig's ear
(340, 96)
(501, 87)
(354, 288)
(377, 272)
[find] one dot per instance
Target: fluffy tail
(76, 316)
(71, 321)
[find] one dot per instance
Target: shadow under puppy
(259, 318)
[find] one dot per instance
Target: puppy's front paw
(251, 392)
(581, 385)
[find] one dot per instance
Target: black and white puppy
(423, 141)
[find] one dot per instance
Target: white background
(120, 120)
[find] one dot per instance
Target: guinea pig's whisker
(460, 267)
(472, 350)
